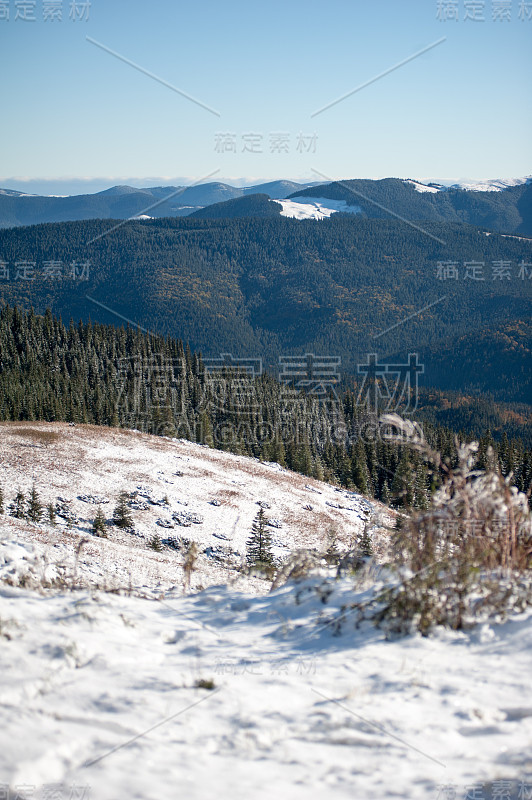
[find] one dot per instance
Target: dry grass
(38, 435)
(469, 553)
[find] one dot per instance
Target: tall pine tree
(258, 546)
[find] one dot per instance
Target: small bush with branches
(468, 555)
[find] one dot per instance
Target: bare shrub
(468, 555)
(298, 566)
(189, 564)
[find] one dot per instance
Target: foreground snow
(137, 690)
(100, 692)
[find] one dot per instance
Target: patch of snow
(495, 185)
(423, 187)
(315, 208)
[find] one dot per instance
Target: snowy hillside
(137, 690)
(423, 187)
(495, 185)
(183, 492)
(315, 208)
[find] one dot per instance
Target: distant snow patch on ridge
(422, 187)
(315, 207)
(496, 185)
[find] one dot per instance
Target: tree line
(121, 377)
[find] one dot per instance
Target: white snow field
(494, 185)
(422, 187)
(184, 490)
(232, 691)
(315, 207)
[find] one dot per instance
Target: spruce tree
(99, 526)
(258, 546)
(122, 515)
(421, 496)
(51, 513)
(155, 543)
(16, 508)
(1, 501)
(359, 468)
(403, 483)
(35, 509)
(385, 493)
(365, 545)
(204, 433)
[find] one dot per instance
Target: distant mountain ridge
(499, 205)
(505, 210)
(124, 202)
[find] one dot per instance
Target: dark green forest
(99, 374)
(508, 211)
(263, 288)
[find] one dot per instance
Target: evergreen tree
(204, 432)
(99, 526)
(122, 515)
(385, 493)
(403, 483)
(35, 509)
(16, 508)
(155, 543)
(1, 501)
(51, 513)
(258, 546)
(365, 545)
(359, 469)
(279, 454)
(421, 495)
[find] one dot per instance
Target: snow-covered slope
(183, 491)
(423, 187)
(103, 693)
(495, 185)
(136, 690)
(315, 207)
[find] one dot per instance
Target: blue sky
(73, 111)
